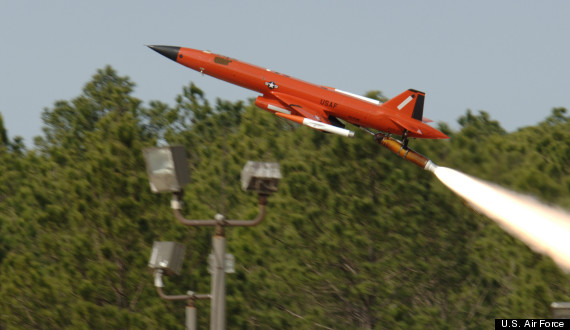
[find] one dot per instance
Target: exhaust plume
(543, 228)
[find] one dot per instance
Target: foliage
(355, 237)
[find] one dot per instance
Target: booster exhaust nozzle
(430, 166)
(408, 154)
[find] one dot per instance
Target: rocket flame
(544, 229)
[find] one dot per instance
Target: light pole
(167, 170)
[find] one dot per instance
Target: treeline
(355, 237)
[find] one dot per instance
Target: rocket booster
(317, 124)
(408, 154)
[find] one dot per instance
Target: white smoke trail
(542, 228)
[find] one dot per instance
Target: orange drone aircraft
(318, 107)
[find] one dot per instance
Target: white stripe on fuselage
(360, 97)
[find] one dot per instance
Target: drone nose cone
(169, 51)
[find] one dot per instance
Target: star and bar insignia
(271, 85)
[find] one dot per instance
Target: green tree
(3, 133)
(91, 219)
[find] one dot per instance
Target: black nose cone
(169, 51)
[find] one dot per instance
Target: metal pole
(218, 309)
(218, 293)
(191, 322)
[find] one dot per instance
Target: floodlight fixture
(167, 256)
(262, 177)
(560, 310)
(167, 168)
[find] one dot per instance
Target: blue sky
(509, 58)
